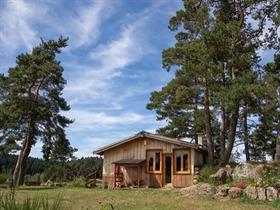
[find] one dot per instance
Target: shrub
(270, 175)
(3, 178)
(32, 180)
(57, 173)
(205, 173)
(80, 182)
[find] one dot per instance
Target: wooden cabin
(147, 159)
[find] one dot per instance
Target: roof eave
(152, 136)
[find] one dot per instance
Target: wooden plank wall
(182, 180)
(137, 150)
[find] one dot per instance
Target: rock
(222, 175)
(222, 191)
(205, 189)
(251, 192)
(246, 171)
(271, 193)
(261, 193)
(195, 181)
(189, 191)
(198, 189)
(234, 192)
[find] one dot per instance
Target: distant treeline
(53, 170)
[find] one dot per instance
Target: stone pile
(221, 189)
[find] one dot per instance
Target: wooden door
(167, 169)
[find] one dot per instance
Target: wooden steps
(91, 180)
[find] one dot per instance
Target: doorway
(168, 169)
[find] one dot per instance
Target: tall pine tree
(32, 104)
(216, 63)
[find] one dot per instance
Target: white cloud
(109, 61)
(16, 29)
(122, 51)
(23, 22)
(85, 27)
(95, 78)
(87, 120)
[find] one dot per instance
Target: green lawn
(81, 198)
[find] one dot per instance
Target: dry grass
(81, 198)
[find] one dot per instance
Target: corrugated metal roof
(129, 161)
(148, 135)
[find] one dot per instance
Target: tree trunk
(277, 152)
(25, 155)
(223, 124)
(208, 129)
(19, 172)
(223, 135)
(232, 133)
(18, 165)
(246, 135)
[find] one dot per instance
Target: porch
(129, 172)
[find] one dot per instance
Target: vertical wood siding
(137, 150)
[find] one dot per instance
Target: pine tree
(32, 103)
(216, 57)
(266, 135)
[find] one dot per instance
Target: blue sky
(112, 63)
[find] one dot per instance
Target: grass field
(81, 198)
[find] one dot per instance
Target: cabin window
(151, 163)
(185, 162)
(178, 161)
(157, 168)
(182, 161)
(154, 161)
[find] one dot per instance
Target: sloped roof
(144, 134)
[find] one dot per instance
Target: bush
(270, 175)
(205, 173)
(32, 180)
(80, 182)
(57, 173)
(3, 178)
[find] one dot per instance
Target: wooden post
(138, 181)
(115, 176)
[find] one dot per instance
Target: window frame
(154, 162)
(182, 161)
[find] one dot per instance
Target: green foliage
(85, 166)
(80, 182)
(69, 171)
(52, 170)
(3, 178)
(270, 175)
(32, 101)
(9, 202)
(219, 76)
(58, 173)
(34, 165)
(32, 180)
(205, 173)
(32, 106)
(265, 135)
